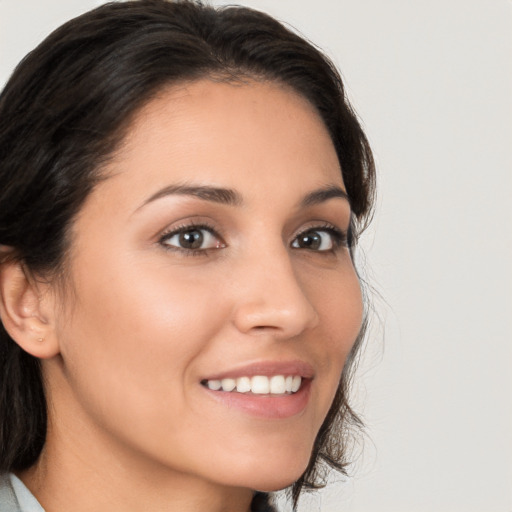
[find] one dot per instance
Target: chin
(270, 483)
(274, 486)
(273, 475)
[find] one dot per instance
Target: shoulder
(15, 497)
(8, 501)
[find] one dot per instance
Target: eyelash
(339, 238)
(190, 227)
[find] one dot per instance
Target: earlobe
(26, 312)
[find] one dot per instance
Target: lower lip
(266, 406)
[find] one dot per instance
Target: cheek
(339, 303)
(337, 297)
(134, 335)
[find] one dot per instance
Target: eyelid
(189, 226)
(341, 237)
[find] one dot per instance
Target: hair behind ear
(22, 406)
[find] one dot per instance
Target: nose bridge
(271, 295)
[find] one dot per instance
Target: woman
(182, 188)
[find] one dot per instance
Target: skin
(131, 426)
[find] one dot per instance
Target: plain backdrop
(432, 82)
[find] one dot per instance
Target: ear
(26, 310)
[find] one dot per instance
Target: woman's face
(213, 255)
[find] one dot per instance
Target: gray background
(432, 81)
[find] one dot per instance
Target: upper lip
(266, 368)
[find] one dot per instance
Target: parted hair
(66, 109)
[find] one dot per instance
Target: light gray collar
(15, 497)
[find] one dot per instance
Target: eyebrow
(324, 194)
(231, 197)
(207, 193)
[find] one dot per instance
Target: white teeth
(214, 384)
(243, 384)
(228, 384)
(259, 384)
(277, 385)
(296, 382)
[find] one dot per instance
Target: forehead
(252, 135)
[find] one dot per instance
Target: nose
(271, 299)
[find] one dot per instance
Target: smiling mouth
(257, 384)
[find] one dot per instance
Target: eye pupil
(192, 239)
(310, 240)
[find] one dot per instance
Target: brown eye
(318, 240)
(311, 240)
(192, 238)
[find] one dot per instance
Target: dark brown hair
(64, 112)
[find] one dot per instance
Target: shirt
(15, 497)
